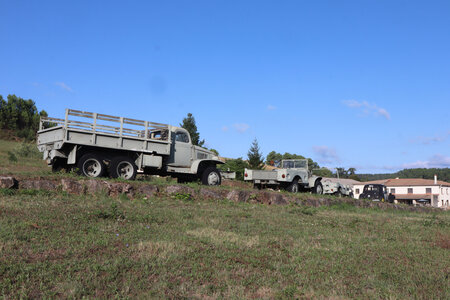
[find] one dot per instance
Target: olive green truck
(103, 145)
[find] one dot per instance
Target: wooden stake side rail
(95, 127)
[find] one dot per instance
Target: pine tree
(189, 125)
(255, 158)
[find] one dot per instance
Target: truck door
(182, 150)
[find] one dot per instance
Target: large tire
(211, 176)
(293, 186)
(123, 167)
(318, 188)
(339, 193)
(91, 165)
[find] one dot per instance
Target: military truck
(293, 176)
(103, 145)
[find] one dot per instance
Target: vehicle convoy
(293, 176)
(101, 145)
(376, 192)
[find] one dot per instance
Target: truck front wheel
(318, 188)
(123, 167)
(91, 165)
(211, 176)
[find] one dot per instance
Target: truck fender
(71, 158)
(312, 181)
(196, 163)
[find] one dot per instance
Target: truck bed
(142, 136)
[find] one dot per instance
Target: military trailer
(103, 145)
(336, 188)
(293, 176)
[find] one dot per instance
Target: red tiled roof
(382, 181)
(407, 182)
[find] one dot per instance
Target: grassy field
(28, 159)
(53, 244)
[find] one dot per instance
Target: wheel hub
(213, 178)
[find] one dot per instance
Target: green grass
(58, 245)
(53, 244)
(26, 164)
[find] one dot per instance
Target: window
(182, 137)
(357, 191)
(300, 164)
(392, 191)
(410, 190)
(428, 190)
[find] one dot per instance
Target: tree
(189, 124)
(323, 172)
(288, 155)
(255, 158)
(214, 151)
(273, 158)
(20, 116)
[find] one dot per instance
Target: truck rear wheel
(318, 188)
(91, 165)
(211, 176)
(123, 167)
(293, 186)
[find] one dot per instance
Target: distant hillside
(442, 174)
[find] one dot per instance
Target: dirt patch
(442, 241)
(236, 183)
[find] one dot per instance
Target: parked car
(377, 192)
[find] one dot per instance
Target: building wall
(443, 192)
(444, 197)
(357, 190)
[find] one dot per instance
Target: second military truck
(100, 145)
(293, 175)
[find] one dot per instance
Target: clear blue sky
(362, 84)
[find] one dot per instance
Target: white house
(414, 191)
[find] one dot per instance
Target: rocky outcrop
(134, 189)
(72, 186)
(148, 190)
(238, 196)
(8, 183)
(172, 190)
(38, 184)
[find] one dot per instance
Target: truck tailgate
(261, 175)
(50, 135)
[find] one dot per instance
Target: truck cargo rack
(148, 130)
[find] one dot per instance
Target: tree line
(20, 116)
(442, 174)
